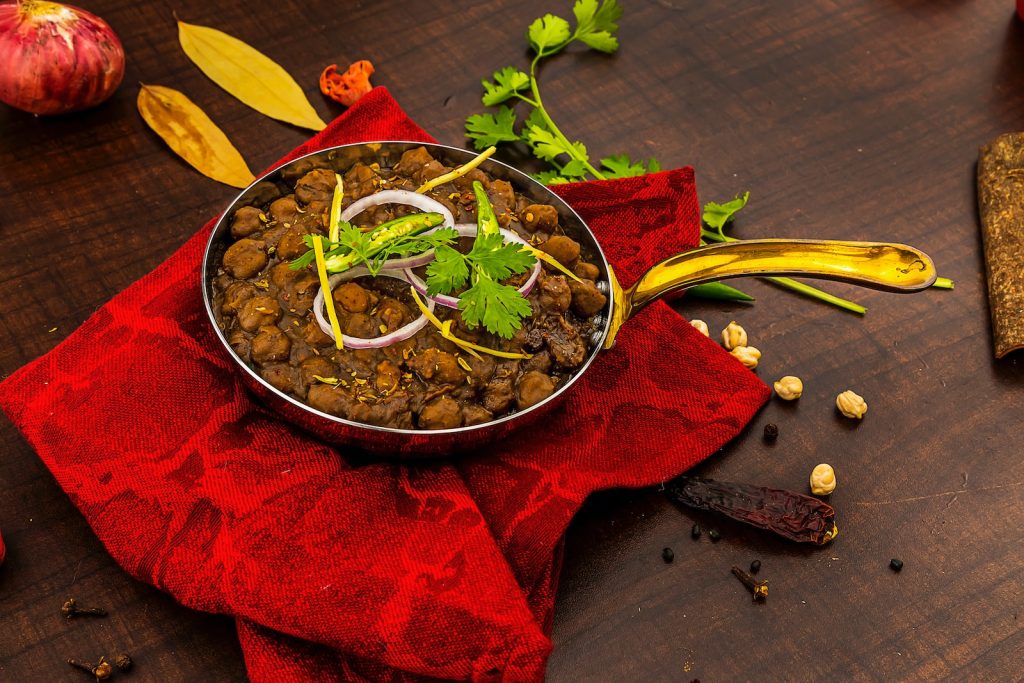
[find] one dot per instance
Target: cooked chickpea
(733, 336)
(789, 388)
(701, 327)
(748, 355)
(823, 480)
(851, 405)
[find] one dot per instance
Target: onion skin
(56, 58)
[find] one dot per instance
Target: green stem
(551, 124)
(788, 283)
(816, 293)
(718, 291)
(943, 283)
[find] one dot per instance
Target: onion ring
(420, 201)
(401, 334)
(469, 230)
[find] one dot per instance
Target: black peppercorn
(123, 662)
(695, 531)
(714, 535)
(755, 566)
(895, 565)
(668, 555)
(771, 431)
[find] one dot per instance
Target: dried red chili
(792, 515)
(348, 87)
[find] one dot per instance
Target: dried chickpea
(789, 388)
(748, 355)
(701, 327)
(823, 480)
(734, 336)
(851, 405)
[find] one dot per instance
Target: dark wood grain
(855, 120)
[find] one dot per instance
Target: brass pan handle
(890, 267)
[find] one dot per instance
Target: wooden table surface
(857, 119)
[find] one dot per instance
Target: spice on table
(714, 535)
(851, 404)
(123, 662)
(348, 87)
(748, 355)
(701, 327)
(755, 566)
(759, 589)
(895, 565)
(668, 555)
(789, 388)
(823, 479)
(102, 670)
(70, 609)
(695, 531)
(771, 431)
(792, 515)
(734, 336)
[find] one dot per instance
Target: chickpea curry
(448, 307)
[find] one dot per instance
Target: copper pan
(889, 267)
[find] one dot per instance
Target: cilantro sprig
(569, 160)
(499, 308)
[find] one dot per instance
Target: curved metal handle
(890, 267)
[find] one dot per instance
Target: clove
(759, 589)
(70, 609)
(102, 671)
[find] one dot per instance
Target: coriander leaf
(653, 166)
(492, 257)
(507, 83)
(353, 238)
(561, 180)
(547, 177)
(621, 166)
(574, 169)
(596, 26)
(499, 308)
(601, 41)
(581, 151)
(535, 119)
(447, 272)
(607, 17)
(544, 144)
(490, 129)
(548, 35)
(717, 215)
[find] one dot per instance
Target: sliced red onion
(420, 201)
(401, 334)
(469, 230)
(415, 199)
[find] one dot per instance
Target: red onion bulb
(56, 58)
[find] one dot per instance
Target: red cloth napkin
(340, 570)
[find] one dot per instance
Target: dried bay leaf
(192, 135)
(248, 74)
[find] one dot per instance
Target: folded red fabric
(339, 571)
